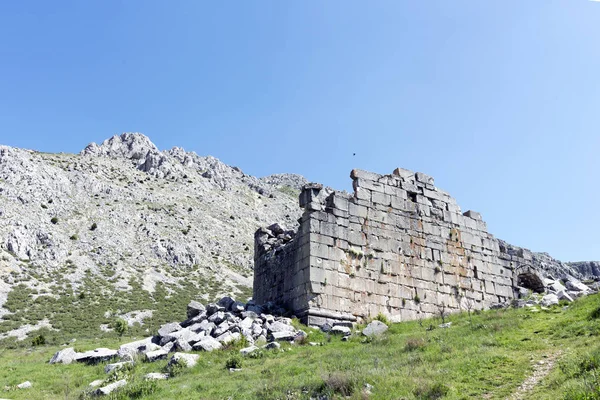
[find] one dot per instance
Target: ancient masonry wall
(398, 246)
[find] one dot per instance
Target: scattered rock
(341, 330)
(116, 366)
(375, 328)
(194, 309)
(96, 356)
(187, 360)
(208, 344)
(156, 376)
(64, 356)
(248, 350)
(549, 300)
(24, 385)
(271, 346)
(156, 355)
(168, 328)
(108, 389)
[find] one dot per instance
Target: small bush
(175, 368)
(39, 340)
(338, 383)
(258, 354)
(94, 227)
(120, 326)
(138, 390)
(595, 314)
(74, 237)
(415, 344)
(417, 299)
(233, 362)
(431, 391)
(54, 220)
(382, 318)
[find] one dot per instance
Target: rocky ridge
(127, 211)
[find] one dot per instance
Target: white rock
(549, 299)
(156, 376)
(188, 360)
(24, 385)
(108, 389)
(64, 356)
(375, 328)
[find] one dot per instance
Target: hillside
(527, 353)
(125, 229)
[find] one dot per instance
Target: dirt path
(541, 368)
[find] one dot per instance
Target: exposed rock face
(126, 208)
(586, 269)
(399, 246)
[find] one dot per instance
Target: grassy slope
(487, 357)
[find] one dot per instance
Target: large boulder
(279, 326)
(375, 328)
(187, 360)
(549, 300)
(576, 285)
(194, 309)
(108, 389)
(208, 344)
(226, 302)
(156, 355)
(140, 346)
(97, 356)
(168, 328)
(64, 356)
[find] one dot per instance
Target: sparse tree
(468, 305)
(442, 311)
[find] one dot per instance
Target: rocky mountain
(131, 215)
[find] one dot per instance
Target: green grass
(78, 313)
(486, 356)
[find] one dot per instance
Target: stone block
(359, 173)
(423, 178)
(339, 201)
(472, 214)
(381, 198)
(357, 210)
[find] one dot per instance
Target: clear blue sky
(498, 100)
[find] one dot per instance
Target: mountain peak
(133, 146)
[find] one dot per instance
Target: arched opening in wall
(530, 280)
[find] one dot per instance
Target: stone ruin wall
(398, 246)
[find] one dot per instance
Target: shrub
(338, 383)
(54, 220)
(94, 227)
(415, 344)
(417, 299)
(175, 368)
(233, 362)
(138, 390)
(74, 237)
(382, 318)
(39, 340)
(431, 391)
(120, 326)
